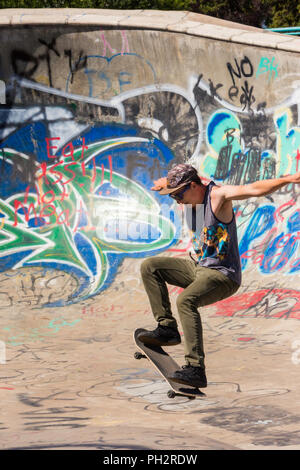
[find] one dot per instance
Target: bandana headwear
(178, 177)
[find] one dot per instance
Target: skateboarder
(215, 273)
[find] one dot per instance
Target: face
(186, 195)
(179, 195)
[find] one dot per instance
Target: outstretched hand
(159, 184)
(294, 178)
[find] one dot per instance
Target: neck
(202, 191)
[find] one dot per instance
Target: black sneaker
(161, 336)
(190, 375)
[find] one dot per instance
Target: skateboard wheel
(138, 355)
(171, 394)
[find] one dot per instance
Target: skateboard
(166, 366)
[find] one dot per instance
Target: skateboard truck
(139, 355)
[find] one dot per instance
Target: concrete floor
(70, 380)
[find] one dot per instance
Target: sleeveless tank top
(216, 245)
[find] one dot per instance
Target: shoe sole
(155, 342)
(186, 382)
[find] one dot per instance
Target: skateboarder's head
(179, 180)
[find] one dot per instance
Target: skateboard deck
(166, 366)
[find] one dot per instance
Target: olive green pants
(202, 286)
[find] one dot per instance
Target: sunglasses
(179, 196)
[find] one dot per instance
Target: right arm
(159, 184)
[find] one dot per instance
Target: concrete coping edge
(183, 22)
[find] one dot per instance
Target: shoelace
(193, 369)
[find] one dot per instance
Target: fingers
(159, 184)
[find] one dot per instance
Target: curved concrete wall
(97, 104)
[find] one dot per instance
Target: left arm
(257, 189)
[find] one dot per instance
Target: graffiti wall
(90, 116)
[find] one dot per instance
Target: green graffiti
(267, 66)
(62, 221)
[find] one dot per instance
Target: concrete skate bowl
(95, 105)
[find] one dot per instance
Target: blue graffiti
(280, 249)
(95, 74)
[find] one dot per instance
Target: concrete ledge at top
(194, 19)
(154, 19)
(291, 46)
(24, 16)
(70, 16)
(150, 19)
(206, 30)
(171, 21)
(256, 38)
(265, 39)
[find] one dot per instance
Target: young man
(215, 275)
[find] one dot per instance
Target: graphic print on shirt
(212, 243)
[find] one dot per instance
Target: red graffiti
(44, 210)
(246, 339)
(266, 303)
(297, 160)
(277, 214)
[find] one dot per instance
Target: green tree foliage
(284, 14)
(260, 13)
(113, 4)
(250, 12)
